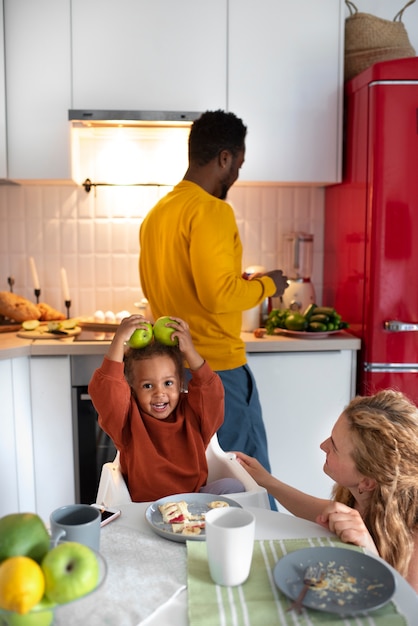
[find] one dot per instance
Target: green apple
(23, 534)
(71, 571)
(162, 333)
(42, 614)
(141, 337)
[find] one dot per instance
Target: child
(160, 430)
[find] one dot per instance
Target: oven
(92, 447)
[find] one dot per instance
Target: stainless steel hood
(129, 147)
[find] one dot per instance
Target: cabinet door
(38, 88)
(17, 486)
(52, 433)
(302, 394)
(149, 54)
(285, 81)
(3, 162)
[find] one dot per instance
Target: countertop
(12, 346)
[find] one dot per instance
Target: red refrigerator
(371, 226)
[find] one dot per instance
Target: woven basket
(370, 39)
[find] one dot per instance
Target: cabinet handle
(395, 326)
(85, 396)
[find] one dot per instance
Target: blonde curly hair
(384, 428)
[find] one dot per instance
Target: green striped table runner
(258, 602)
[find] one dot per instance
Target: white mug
(230, 543)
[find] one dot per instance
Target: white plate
(374, 586)
(304, 334)
(197, 504)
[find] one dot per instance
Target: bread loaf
(17, 308)
(48, 313)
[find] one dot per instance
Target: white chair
(113, 491)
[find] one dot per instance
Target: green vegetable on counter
(314, 319)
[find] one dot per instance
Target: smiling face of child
(157, 386)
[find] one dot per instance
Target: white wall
(95, 237)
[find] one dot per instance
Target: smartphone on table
(108, 513)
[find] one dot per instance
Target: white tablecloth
(146, 581)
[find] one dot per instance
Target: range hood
(129, 147)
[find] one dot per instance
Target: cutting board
(42, 333)
(9, 328)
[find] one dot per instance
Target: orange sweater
(159, 457)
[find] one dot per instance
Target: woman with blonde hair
(372, 455)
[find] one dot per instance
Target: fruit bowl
(48, 614)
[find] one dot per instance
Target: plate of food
(181, 517)
(305, 334)
(352, 583)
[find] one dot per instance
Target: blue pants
(223, 486)
(243, 428)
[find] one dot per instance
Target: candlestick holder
(37, 294)
(68, 305)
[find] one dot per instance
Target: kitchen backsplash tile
(95, 237)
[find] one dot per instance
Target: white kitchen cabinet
(302, 394)
(38, 88)
(149, 54)
(52, 433)
(3, 144)
(285, 78)
(16, 454)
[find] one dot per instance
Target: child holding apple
(160, 430)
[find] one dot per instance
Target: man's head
(217, 136)
(213, 132)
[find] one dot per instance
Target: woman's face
(156, 386)
(339, 463)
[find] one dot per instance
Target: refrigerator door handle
(395, 326)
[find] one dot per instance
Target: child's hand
(127, 327)
(123, 333)
(186, 346)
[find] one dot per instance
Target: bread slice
(174, 512)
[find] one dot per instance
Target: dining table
(149, 578)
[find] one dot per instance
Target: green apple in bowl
(162, 333)
(41, 615)
(141, 337)
(71, 571)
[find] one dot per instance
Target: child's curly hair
(155, 348)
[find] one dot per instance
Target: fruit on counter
(314, 319)
(71, 571)
(141, 337)
(295, 321)
(162, 333)
(23, 534)
(22, 584)
(30, 324)
(69, 324)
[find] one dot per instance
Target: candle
(65, 285)
(34, 273)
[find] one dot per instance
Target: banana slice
(217, 504)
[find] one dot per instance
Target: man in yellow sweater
(191, 267)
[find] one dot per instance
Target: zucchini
(325, 310)
(309, 311)
(317, 327)
(321, 317)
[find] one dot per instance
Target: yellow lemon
(22, 584)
